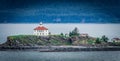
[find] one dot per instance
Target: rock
(52, 40)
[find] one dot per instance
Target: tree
(104, 39)
(62, 34)
(97, 41)
(70, 33)
(75, 32)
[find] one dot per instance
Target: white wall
(41, 32)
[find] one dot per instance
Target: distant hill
(61, 19)
(60, 11)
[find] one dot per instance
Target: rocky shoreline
(55, 43)
(60, 48)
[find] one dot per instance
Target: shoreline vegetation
(74, 41)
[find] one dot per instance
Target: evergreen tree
(75, 32)
(62, 34)
(97, 41)
(104, 39)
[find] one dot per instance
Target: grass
(48, 40)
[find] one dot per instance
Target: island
(74, 41)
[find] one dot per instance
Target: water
(59, 56)
(95, 30)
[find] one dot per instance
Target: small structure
(116, 39)
(84, 35)
(41, 30)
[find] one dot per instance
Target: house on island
(116, 39)
(84, 35)
(41, 30)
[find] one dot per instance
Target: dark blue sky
(65, 11)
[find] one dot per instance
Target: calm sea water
(59, 56)
(95, 30)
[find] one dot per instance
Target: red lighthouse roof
(40, 28)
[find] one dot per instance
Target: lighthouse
(41, 30)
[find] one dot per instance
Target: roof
(116, 38)
(40, 28)
(84, 34)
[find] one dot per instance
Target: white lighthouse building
(41, 30)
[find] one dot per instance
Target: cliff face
(54, 40)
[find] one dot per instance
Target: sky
(60, 11)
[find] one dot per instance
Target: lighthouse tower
(41, 30)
